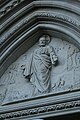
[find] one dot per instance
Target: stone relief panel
(51, 66)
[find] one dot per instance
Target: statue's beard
(42, 44)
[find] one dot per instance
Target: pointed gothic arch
(24, 23)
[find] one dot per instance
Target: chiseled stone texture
(22, 23)
(64, 77)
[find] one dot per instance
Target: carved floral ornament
(39, 110)
(9, 6)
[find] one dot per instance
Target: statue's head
(44, 40)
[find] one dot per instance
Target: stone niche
(65, 76)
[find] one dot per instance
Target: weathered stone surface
(22, 23)
(64, 77)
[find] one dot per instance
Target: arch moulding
(21, 27)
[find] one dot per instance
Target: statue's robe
(39, 67)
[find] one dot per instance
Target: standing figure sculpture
(39, 66)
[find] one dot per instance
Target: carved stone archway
(22, 23)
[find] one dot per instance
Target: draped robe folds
(39, 66)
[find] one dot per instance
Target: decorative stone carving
(64, 76)
(39, 65)
(9, 7)
(41, 109)
(37, 14)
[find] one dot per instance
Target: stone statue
(38, 68)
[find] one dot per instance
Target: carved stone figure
(39, 65)
(37, 61)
